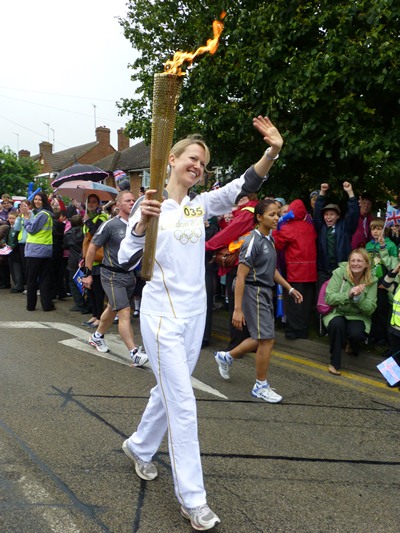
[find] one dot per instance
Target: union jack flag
(215, 186)
(392, 217)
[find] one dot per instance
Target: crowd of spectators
(43, 242)
(316, 245)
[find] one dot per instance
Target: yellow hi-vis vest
(237, 243)
(395, 318)
(45, 235)
(21, 231)
(101, 216)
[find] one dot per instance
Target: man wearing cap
(334, 232)
(280, 201)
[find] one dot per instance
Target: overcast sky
(59, 60)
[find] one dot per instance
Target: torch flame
(173, 66)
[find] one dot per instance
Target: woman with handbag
(352, 292)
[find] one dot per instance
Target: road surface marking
(80, 342)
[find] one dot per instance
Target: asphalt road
(325, 460)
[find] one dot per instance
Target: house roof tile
(133, 158)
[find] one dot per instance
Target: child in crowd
(383, 255)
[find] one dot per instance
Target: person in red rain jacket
(297, 238)
(241, 223)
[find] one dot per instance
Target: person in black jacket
(334, 232)
(73, 241)
(57, 270)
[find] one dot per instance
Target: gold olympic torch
(166, 91)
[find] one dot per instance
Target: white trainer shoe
(201, 517)
(266, 393)
(99, 344)
(138, 356)
(144, 469)
(224, 364)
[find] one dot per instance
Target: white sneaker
(266, 393)
(201, 517)
(138, 356)
(144, 469)
(224, 364)
(99, 344)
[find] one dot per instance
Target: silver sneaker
(266, 393)
(138, 356)
(201, 518)
(145, 470)
(99, 344)
(224, 365)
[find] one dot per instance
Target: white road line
(79, 342)
(22, 325)
(205, 388)
(125, 360)
(84, 347)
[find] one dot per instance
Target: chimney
(123, 140)
(24, 153)
(103, 135)
(45, 148)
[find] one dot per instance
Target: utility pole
(54, 138)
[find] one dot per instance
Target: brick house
(134, 161)
(85, 154)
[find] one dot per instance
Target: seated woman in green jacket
(352, 291)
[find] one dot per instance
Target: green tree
(327, 73)
(15, 173)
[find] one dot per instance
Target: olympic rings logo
(188, 235)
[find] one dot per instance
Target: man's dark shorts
(119, 288)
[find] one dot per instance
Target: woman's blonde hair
(179, 147)
(367, 275)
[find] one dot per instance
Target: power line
(57, 94)
(57, 108)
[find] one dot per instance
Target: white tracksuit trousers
(173, 347)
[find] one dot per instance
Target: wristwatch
(87, 272)
(266, 153)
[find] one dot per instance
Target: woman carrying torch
(173, 311)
